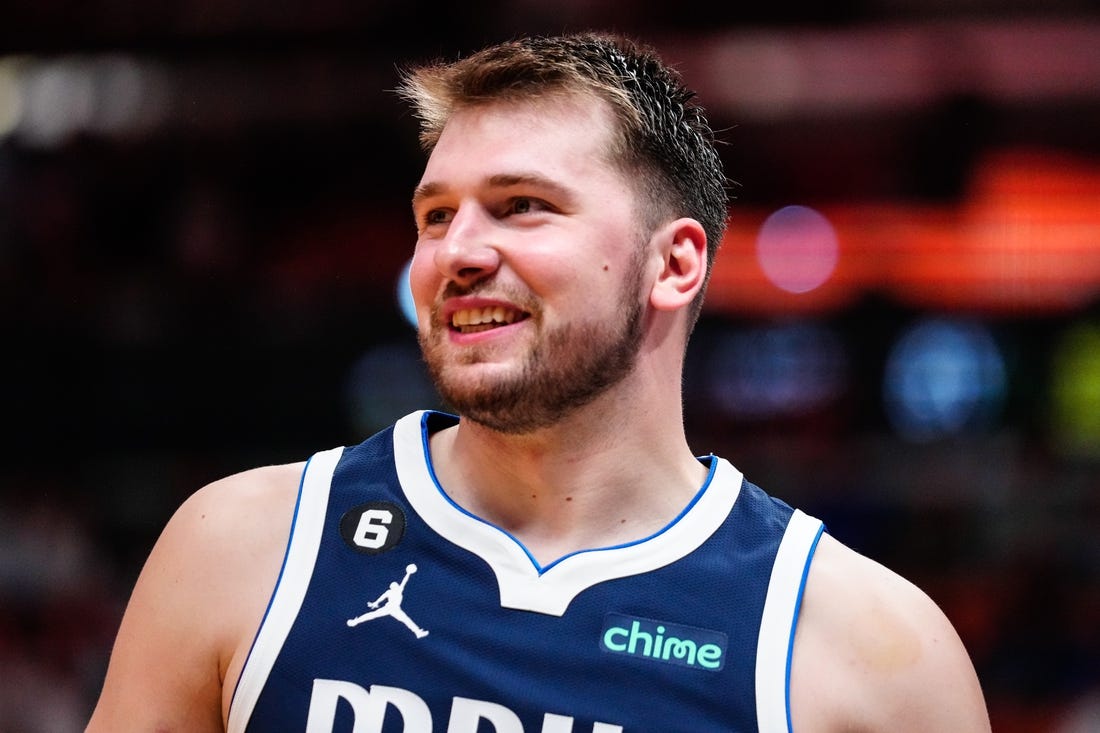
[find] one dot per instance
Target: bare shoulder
(874, 653)
(232, 508)
(197, 604)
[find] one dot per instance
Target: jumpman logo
(389, 604)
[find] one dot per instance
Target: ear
(682, 245)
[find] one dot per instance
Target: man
(577, 567)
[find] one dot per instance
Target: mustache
(455, 290)
(487, 288)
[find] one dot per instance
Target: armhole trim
(290, 588)
(779, 619)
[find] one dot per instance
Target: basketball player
(557, 559)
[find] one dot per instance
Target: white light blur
(130, 97)
(58, 101)
(44, 103)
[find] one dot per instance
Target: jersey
(396, 610)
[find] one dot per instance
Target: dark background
(204, 214)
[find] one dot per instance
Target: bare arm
(196, 606)
(874, 653)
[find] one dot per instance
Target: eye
(436, 216)
(526, 205)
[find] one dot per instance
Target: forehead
(562, 137)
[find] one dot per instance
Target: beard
(568, 368)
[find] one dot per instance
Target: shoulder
(231, 507)
(198, 602)
(225, 524)
(223, 549)
(220, 531)
(873, 652)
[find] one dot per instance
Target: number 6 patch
(374, 527)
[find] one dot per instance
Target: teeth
(483, 316)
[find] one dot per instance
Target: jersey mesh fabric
(533, 664)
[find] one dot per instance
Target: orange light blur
(1025, 238)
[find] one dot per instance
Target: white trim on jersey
(778, 621)
(523, 583)
(290, 589)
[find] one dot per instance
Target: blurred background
(204, 222)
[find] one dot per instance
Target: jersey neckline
(549, 589)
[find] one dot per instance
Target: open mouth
(475, 320)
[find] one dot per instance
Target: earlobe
(683, 247)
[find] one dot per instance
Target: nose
(468, 253)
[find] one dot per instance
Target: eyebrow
(500, 180)
(426, 190)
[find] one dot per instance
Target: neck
(601, 476)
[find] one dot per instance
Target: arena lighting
(739, 283)
(1025, 238)
(813, 73)
(943, 378)
(797, 248)
(11, 102)
(58, 98)
(774, 371)
(1075, 392)
(403, 292)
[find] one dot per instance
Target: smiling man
(570, 562)
(517, 236)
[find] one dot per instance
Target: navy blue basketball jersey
(398, 611)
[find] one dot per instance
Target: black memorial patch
(374, 527)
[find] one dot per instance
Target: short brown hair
(664, 139)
